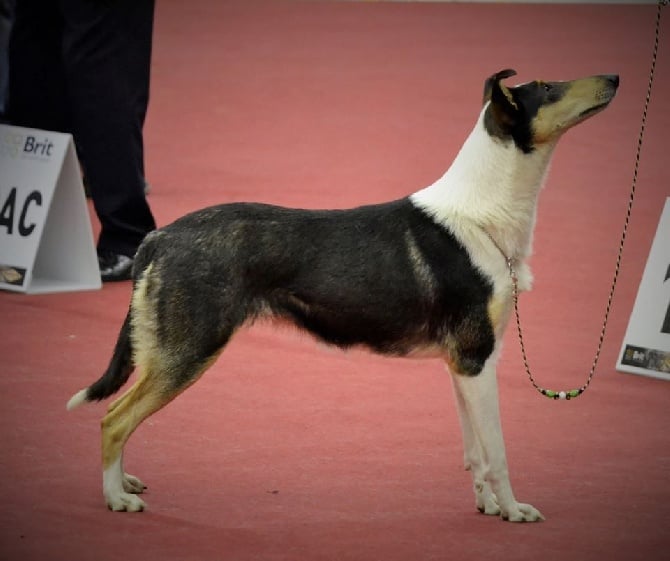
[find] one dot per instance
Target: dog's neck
(491, 184)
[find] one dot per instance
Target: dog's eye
(547, 87)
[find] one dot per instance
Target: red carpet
(289, 451)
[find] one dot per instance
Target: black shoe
(114, 266)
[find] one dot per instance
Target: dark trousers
(83, 66)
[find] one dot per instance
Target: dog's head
(538, 112)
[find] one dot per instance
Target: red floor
(287, 450)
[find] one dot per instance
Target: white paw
(489, 506)
(120, 489)
(125, 502)
(522, 513)
(132, 485)
(486, 500)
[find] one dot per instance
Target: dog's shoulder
(476, 244)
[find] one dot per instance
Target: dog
(425, 276)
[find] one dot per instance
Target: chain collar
(509, 260)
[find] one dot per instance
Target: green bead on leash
(562, 394)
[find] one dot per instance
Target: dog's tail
(117, 373)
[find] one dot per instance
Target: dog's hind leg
(122, 418)
(154, 389)
(477, 397)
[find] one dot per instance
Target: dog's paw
(127, 502)
(133, 485)
(486, 500)
(489, 506)
(522, 513)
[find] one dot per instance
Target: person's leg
(6, 21)
(139, 66)
(98, 56)
(37, 87)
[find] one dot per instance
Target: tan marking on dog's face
(581, 99)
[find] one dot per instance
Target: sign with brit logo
(46, 240)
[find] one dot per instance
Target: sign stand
(646, 345)
(46, 239)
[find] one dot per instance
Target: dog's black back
(384, 276)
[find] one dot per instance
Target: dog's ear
(494, 81)
(503, 106)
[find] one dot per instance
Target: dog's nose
(613, 79)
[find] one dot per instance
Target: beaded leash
(571, 394)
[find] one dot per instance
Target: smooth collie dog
(426, 275)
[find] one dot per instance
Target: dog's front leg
(477, 400)
(474, 460)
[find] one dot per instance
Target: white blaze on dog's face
(539, 112)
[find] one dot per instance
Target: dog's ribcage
(383, 276)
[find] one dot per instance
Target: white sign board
(46, 239)
(646, 346)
